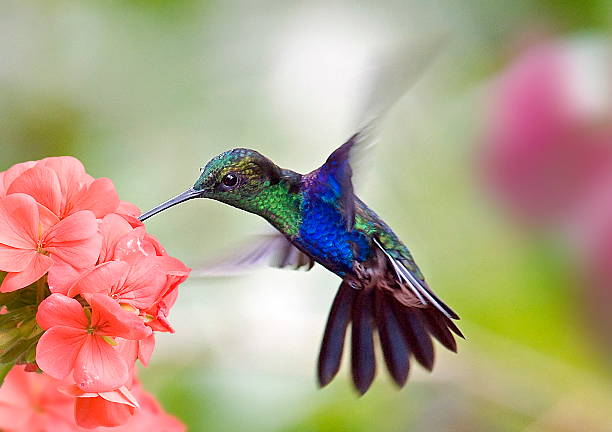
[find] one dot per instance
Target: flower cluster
(36, 402)
(84, 287)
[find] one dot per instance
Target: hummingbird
(319, 219)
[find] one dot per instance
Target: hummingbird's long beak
(187, 195)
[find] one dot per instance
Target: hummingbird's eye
(230, 180)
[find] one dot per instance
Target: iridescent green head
(240, 177)
(236, 176)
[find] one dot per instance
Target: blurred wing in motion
(267, 249)
(394, 74)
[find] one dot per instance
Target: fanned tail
(404, 332)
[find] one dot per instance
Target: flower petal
(13, 259)
(75, 240)
(19, 221)
(46, 218)
(103, 279)
(57, 350)
(128, 349)
(100, 197)
(7, 177)
(113, 227)
(60, 310)
(42, 184)
(99, 367)
(62, 276)
(71, 175)
(137, 244)
(145, 283)
(110, 319)
(121, 396)
(36, 269)
(145, 349)
(128, 209)
(97, 411)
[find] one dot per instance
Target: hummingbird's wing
(267, 249)
(333, 180)
(394, 74)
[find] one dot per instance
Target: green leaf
(4, 370)
(18, 350)
(15, 316)
(8, 337)
(30, 355)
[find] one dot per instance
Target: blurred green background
(146, 91)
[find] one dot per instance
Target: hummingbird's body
(320, 220)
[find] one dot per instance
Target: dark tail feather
(438, 328)
(402, 331)
(332, 346)
(394, 347)
(362, 341)
(416, 334)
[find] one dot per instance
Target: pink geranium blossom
(7, 177)
(82, 343)
(549, 141)
(150, 416)
(139, 286)
(30, 402)
(33, 241)
(109, 409)
(112, 285)
(61, 185)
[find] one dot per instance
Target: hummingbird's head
(235, 177)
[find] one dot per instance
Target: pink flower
(124, 411)
(112, 227)
(159, 312)
(61, 185)
(136, 244)
(150, 416)
(122, 240)
(128, 209)
(30, 402)
(83, 343)
(550, 140)
(550, 155)
(109, 409)
(33, 241)
(7, 177)
(139, 285)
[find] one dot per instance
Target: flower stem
(41, 287)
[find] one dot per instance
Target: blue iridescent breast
(323, 235)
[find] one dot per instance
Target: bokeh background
(495, 169)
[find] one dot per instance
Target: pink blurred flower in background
(31, 402)
(549, 155)
(550, 138)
